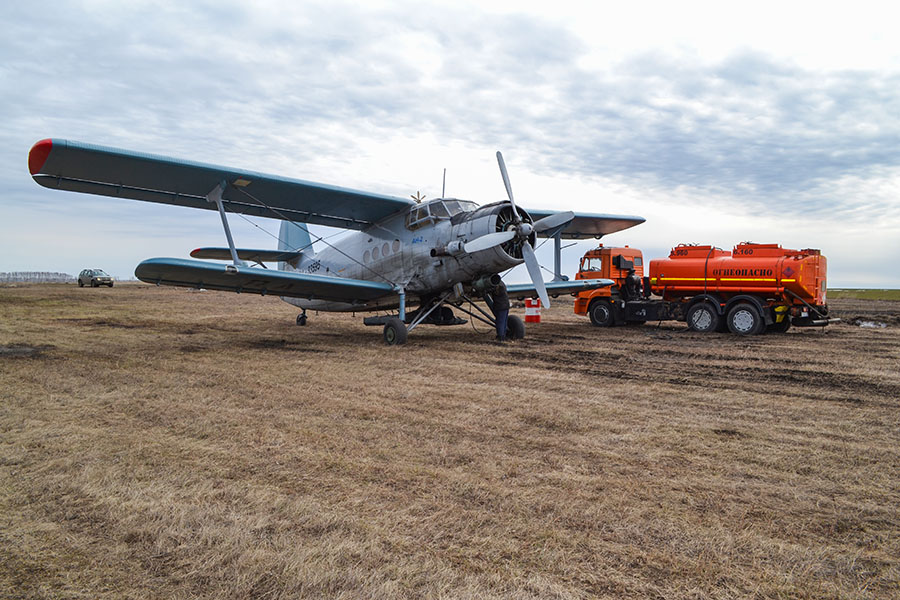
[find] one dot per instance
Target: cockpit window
(454, 207)
(436, 210)
(439, 210)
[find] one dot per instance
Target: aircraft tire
(301, 320)
(395, 332)
(515, 328)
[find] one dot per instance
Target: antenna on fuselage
(444, 186)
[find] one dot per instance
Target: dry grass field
(162, 443)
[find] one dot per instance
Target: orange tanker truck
(752, 289)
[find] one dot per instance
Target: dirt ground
(163, 443)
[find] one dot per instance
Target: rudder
(294, 237)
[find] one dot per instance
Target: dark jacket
(500, 297)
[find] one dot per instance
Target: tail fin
(294, 237)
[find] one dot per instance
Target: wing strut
(216, 196)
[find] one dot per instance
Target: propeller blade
(489, 241)
(534, 269)
(509, 193)
(553, 221)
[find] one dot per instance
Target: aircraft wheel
(301, 319)
(703, 318)
(395, 332)
(744, 319)
(515, 328)
(601, 313)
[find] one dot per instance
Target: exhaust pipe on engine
(486, 283)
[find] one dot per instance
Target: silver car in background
(94, 278)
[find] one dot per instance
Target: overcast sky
(715, 121)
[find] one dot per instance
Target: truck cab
(625, 266)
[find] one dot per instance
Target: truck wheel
(515, 328)
(703, 318)
(744, 319)
(779, 327)
(601, 314)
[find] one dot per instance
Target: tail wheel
(515, 328)
(703, 318)
(395, 332)
(600, 312)
(744, 319)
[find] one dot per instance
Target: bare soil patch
(156, 443)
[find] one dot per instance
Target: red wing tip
(38, 155)
(194, 251)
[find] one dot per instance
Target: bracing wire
(318, 237)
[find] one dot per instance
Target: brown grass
(159, 443)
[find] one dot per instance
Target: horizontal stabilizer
(246, 254)
(554, 288)
(213, 276)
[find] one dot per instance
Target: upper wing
(586, 225)
(90, 169)
(554, 288)
(197, 274)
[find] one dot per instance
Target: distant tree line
(35, 277)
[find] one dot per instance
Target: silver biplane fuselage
(420, 252)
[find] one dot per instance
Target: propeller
(553, 221)
(509, 193)
(521, 229)
(489, 241)
(524, 230)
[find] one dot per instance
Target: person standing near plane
(500, 307)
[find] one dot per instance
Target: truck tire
(779, 327)
(600, 312)
(744, 319)
(703, 318)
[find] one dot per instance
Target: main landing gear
(301, 318)
(437, 312)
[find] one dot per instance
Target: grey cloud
(222, 76)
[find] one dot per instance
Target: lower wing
(554, 288)
(196, 274)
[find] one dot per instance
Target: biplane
(417, 261)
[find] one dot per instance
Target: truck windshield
(591, 264)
